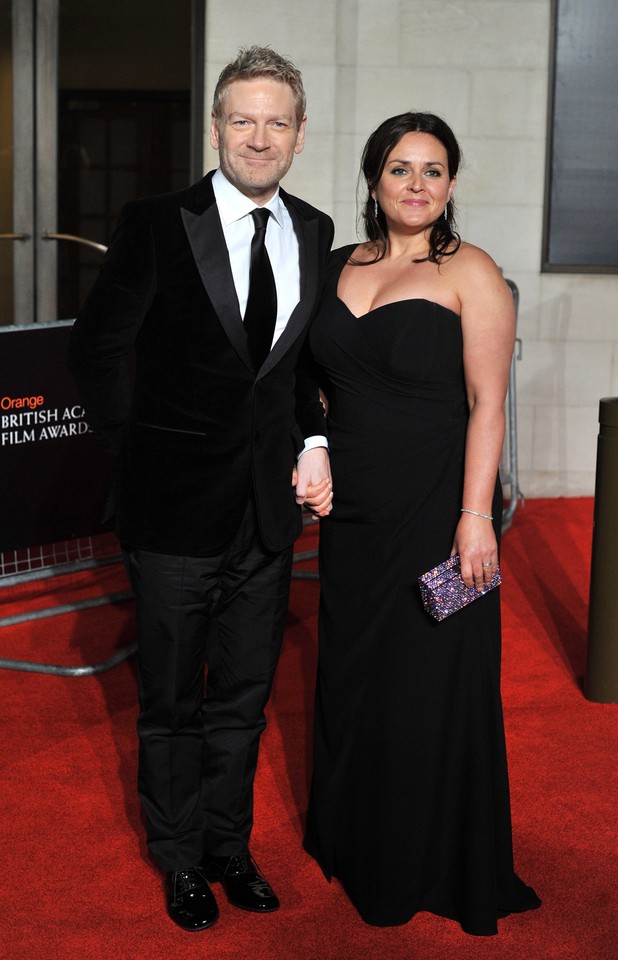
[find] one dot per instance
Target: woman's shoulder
(472, 262)
(478, 280)
(473, 255)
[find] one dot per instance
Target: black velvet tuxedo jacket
(195, 427)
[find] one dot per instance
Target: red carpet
(76, 881)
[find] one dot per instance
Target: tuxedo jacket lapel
(209, 250)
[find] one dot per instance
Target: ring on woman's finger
(485, 565)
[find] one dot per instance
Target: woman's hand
(319, 498)
(475, 542)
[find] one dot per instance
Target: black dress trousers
(199, 741)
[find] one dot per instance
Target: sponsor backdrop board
(54, 474)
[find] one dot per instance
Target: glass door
(16, 163)
(99, 103)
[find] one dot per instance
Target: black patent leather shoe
(243, 884)
(190, 901)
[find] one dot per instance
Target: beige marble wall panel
(565, 441)
(311, 175)
(304, 30)
(512, 235)
(502, 171)
(388, 90)
(562, 373)
(614, 378)
(580, 306)
(556, 483)
(508, 104)
(473, 34)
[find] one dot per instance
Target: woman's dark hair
(377, 149)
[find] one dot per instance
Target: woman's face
(414, 187)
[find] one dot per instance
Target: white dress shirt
(281, 243)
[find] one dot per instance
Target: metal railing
(509, 466)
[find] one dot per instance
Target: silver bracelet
(475, 513)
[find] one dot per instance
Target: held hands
(313, 481)
(475, 542)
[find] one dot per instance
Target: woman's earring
(446, 212)
(375, 208)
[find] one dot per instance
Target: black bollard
(601, 683)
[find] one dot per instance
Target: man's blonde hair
(254, 62)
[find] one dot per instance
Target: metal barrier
(509, 474)
(54, 560)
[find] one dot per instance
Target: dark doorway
(114, 145)
(103, 102)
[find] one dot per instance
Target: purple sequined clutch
(443, 591)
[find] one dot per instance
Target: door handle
(14, 236)
(69, 236)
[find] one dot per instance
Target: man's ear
(214, 132)
(300, 138)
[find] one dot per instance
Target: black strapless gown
(409, 804)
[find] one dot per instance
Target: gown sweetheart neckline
(392, 303)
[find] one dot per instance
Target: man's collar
(234, 205)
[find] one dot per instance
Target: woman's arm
(488, 323)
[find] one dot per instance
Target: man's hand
(313, 481)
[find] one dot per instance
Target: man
(207, 441)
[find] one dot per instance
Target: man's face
(257, 135)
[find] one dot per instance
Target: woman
(409, 805)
